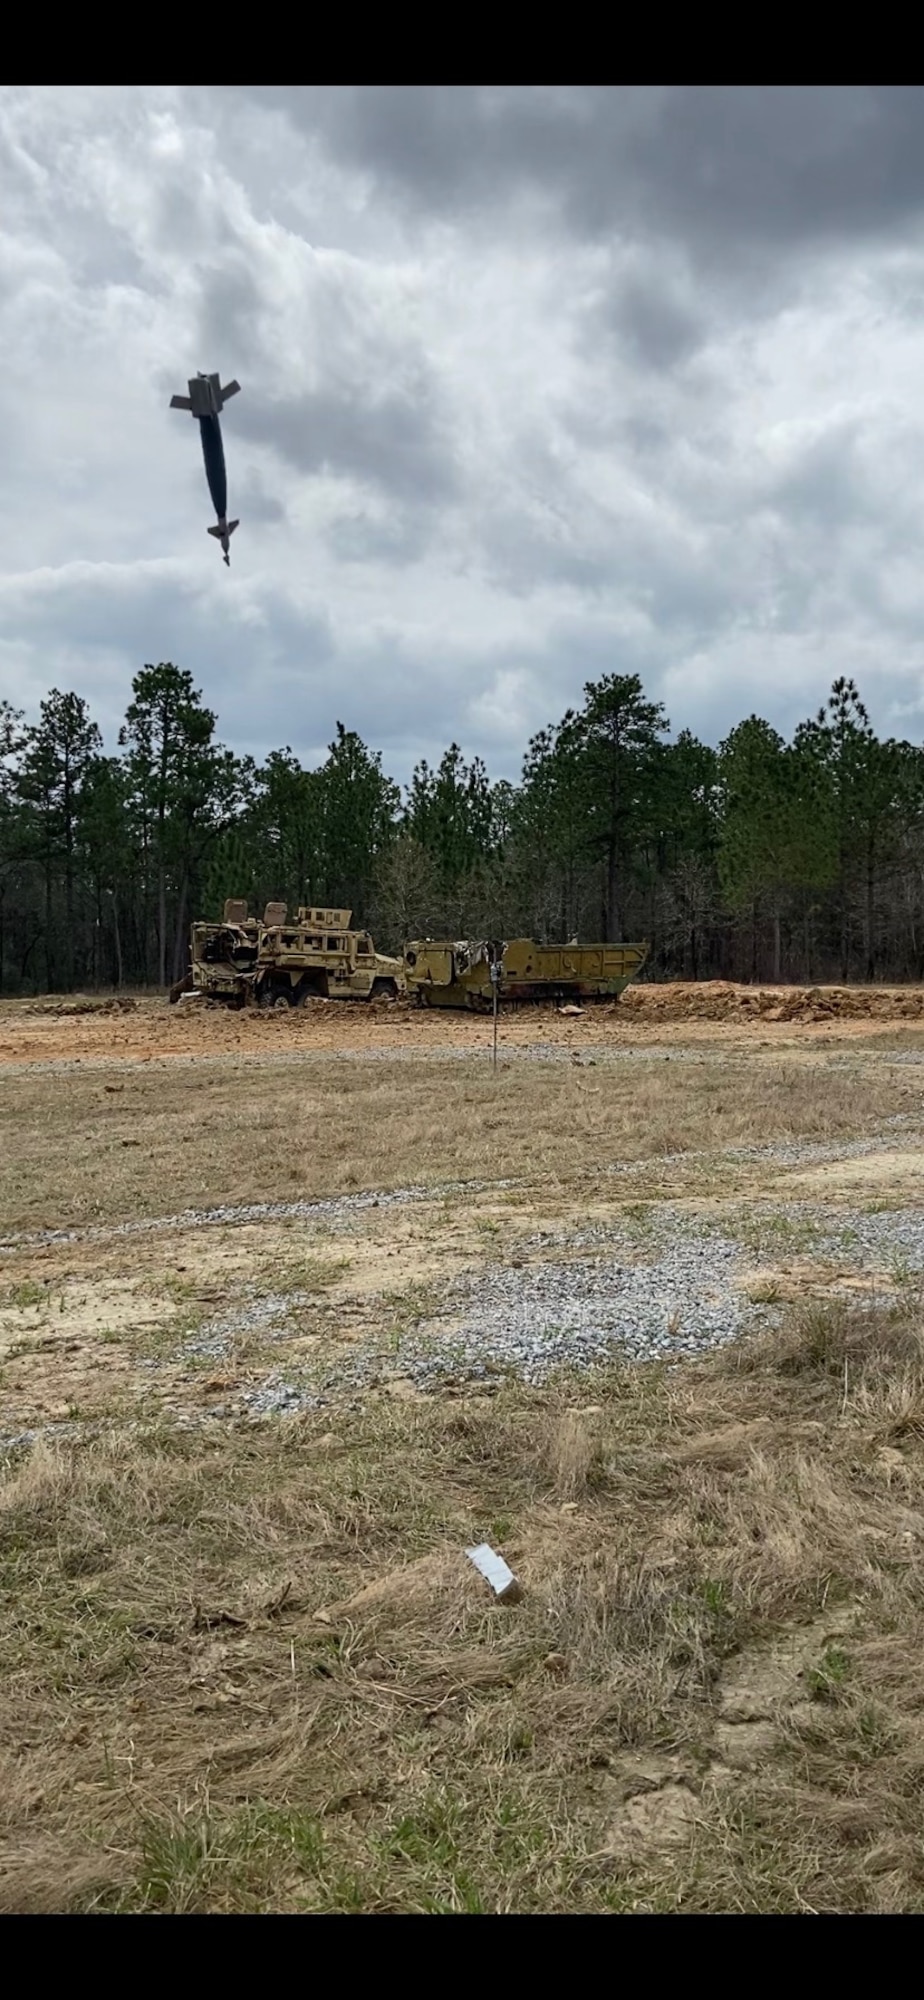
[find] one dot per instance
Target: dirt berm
(719, 1000)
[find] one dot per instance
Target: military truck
(458, 974)
(277, 962)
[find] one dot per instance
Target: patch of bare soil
(138, 1029)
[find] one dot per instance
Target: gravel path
(890, 1241)
(593, 1053)
(588, 1055)
(663, 1288)
(905, 1126)
(535, 1321)
(679, 1297)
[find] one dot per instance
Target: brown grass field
(245, 1665)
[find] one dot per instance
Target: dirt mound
(720, 1000)
(80, 1003)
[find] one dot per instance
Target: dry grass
(574, 1456)
(246, 1667)
(143, 1141)
(251, 1669)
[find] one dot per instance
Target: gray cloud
(391, 440)
(656, 329)
(229, 311)
(705, 163)
(537, 383)
(255, 501)
(396, 537)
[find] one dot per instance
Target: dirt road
(80, 1029)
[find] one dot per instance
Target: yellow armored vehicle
(278, 962)
(459, 974)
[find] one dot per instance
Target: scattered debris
(80, 1003)
(277, 1603)
(208, 1621)
(495, 1572)
(571, 1009)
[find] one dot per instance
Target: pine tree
(618, 734)
(55, 758)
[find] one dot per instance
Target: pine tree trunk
(27, 954)
(161, 921)
(612, 896)
(118, 940)
(845, 922)
(69, 922)
(68, 881)
(49, 976)
(179, 951)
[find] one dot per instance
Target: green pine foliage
(760, 859)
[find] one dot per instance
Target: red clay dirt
(80, 1028)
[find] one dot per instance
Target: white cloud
(517, 407)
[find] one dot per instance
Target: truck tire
(312, 987)
(383, 989)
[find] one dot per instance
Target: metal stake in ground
(495, 985)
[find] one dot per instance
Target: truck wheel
(281, 1004)
(383, 989)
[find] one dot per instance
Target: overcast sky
(536, 384)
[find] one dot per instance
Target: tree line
(760, 859)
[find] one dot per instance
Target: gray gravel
(905, 1126)
(590, 1054)
(534, 1321)
(679, 1297)
(663, 1287)
(887, 1241)
(461, 1052)
(529, 1321)
(557, 1314)
(269, 1314)
(474, 1051)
